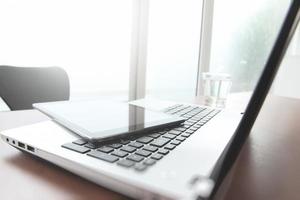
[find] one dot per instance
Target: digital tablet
(100, 120)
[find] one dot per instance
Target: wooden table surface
(268, 166)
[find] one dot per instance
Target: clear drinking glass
(216, 88)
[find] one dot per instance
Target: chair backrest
(20, 87)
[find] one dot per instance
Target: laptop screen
(279, 56)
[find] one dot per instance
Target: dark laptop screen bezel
(262, 88)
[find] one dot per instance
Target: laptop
(187, 162)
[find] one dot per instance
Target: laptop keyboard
(141, 152)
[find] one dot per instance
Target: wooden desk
(267, 168)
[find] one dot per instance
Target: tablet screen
(96, 120)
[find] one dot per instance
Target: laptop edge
(264, 84)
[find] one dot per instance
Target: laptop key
(140, 167)
(175, 142)
(75, 147)
(163, 151)
(174, 132)
(189, 131)
(115, 145)
(186, 126)
(197, 118)
(149, 161)
(180, 129)
(170, 136)
(90, 146)
(187, 116)
(135, 158)
(162, 132)
(157, 156)
(143, 153)
(119, 153)
(197, 126)
(103, 156)
(192, 121)
(188, 123)
(170, 146)
(160, 142)
(124, 142)
(181, 139)
(154, 135)
(193, 128)
(136, 144)
(144, 140)
(105, 149)
(185, 135)
(125, 163)
(128, 149)
(80, 142)
(150, 148)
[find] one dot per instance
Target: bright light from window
(90, 39)
(244, 33)
(173, 48)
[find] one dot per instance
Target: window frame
(139, 41)
(138, 65)
(205, 43)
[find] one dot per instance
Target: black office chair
(20, 87)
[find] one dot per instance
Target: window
(90, 39)
(243, 35)
(173, 48)
(97, 42)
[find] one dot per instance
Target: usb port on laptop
(22, 145)
(30, 148)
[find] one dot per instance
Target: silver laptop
(186, 162)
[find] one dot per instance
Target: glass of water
(216, 89)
